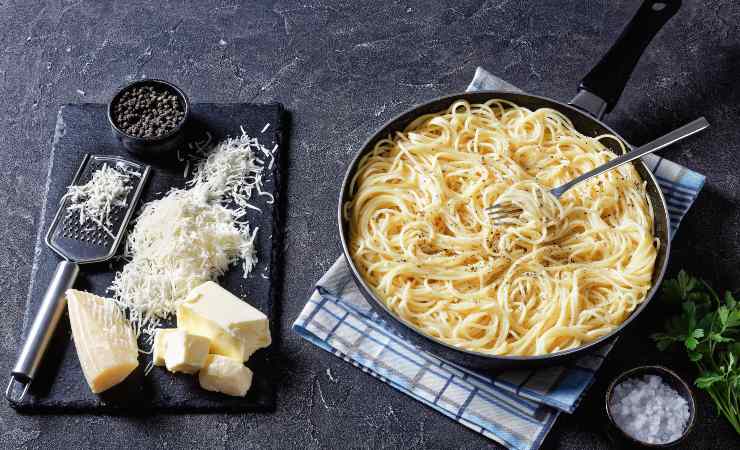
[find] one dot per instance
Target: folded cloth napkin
(515, 408)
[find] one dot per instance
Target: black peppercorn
(148, 111)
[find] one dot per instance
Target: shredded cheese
(232, 171)
(191, 235)
(93, 201)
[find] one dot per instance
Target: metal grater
(77, 244)
(88, 243)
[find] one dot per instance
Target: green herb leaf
(677, 290)
(708, 379)
(693, 339)
(691, 342)
(730, 300)
(709, 329)
(686, 281)
(702, 299)
(722, 314)
(716, 337)
(689, 312)
(733, 319)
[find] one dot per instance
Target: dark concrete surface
(342, 68)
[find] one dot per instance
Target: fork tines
(503, 214)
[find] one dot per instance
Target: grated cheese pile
(191, 235)
(93, 201)
(233, 172)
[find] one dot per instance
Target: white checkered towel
(514, 408)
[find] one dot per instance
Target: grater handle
(42, 329)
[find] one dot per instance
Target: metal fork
(501, 211)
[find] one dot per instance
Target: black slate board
(60, 386)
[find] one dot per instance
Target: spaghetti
(562, 275)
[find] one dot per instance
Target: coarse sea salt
(649, 410)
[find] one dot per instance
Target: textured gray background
(342, 68)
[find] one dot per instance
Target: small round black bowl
(151, 146)
(670, 378)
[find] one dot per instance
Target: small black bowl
(157, 146)
(670, 378)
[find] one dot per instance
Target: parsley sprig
(708, 328)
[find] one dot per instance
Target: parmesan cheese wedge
(104, 339)
(225, 375)
(235, 328)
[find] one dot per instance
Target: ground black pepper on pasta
(147, 111)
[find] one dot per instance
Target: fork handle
(663, 141)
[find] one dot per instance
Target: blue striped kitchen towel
(516, 408)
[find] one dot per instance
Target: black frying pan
(597, 95)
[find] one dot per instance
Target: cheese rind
(104, 340)
(226, 375)
(160, 345)
(236, 329)
(185, 352)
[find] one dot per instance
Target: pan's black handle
(608, 78)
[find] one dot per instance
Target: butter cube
(235, 328)
(185, 352)
(160, 344)
(226, 375)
